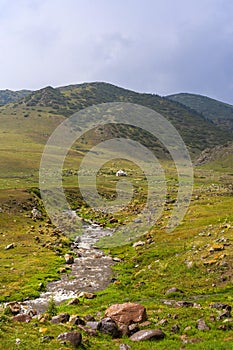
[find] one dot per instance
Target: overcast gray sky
(157, 46)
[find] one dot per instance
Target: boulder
(69, 259)
(148, 334)
(62, 318)
(77, 320)
(14, 307)
(127, 313)
(86, 295)
(21, 318)
(108, 326)
(75, 338)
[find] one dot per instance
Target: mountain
(197, 132)
(7, 96)
(219, 112)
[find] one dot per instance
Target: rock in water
(69, 259)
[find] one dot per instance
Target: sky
(155, 46)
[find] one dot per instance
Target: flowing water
(91, 271)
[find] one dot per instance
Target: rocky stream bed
(90, 271)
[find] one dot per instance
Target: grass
(144, 275)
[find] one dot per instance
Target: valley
(183, 278)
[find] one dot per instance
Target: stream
(91, 271)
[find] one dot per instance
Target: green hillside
(7, 96)
(219, 112)
(197, 132)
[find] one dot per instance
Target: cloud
(151, 46)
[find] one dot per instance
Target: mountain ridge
(197, 131)
(220, 113)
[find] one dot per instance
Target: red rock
(127, 313)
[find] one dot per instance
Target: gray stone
(62, 318)
(92, 324)
(174, 290)
(148, 334)
(46, 338)
(75, 338)
(108, 326)
(184, 304)
(202, 326)
(124, 347)
(220, 306)
(10, 246)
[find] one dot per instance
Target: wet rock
(202, 326)
(21, 318)
(62, 318)
(87, 295)
(148, 334)
(127, 313)
(10, 246)
(108, 326)
(69, 259)
(14, 307)
(75, 338)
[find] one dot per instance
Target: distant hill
(197, 132)
(219, 112)
(7, 96)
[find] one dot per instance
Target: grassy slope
(219, 112)
(148, 271)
